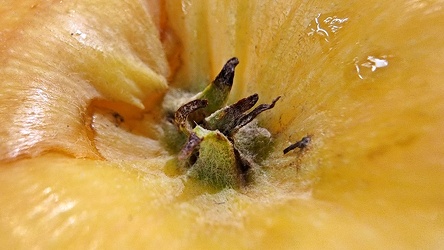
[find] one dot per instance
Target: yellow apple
(83, 166)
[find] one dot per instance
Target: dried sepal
(254, 141)
(216, 165)
(217, 91)
(181, 115)
(225, 119)
(220, 162)
(216, 155)
(253, 114)
(303, 143)
(192, 143)
(226, 75)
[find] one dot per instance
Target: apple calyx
(223, 145)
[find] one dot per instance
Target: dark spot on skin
(118, 119)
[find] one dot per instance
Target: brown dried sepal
(303, 143)
(181, 115)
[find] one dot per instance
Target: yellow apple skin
(371, 178)
(57, 57)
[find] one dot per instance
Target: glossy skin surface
(364, 79)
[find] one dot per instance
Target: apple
(82, 159)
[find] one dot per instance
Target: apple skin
(370, 178)
(58, 57)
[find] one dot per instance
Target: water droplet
(326, 25)
(370, 64)
(80, 34)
